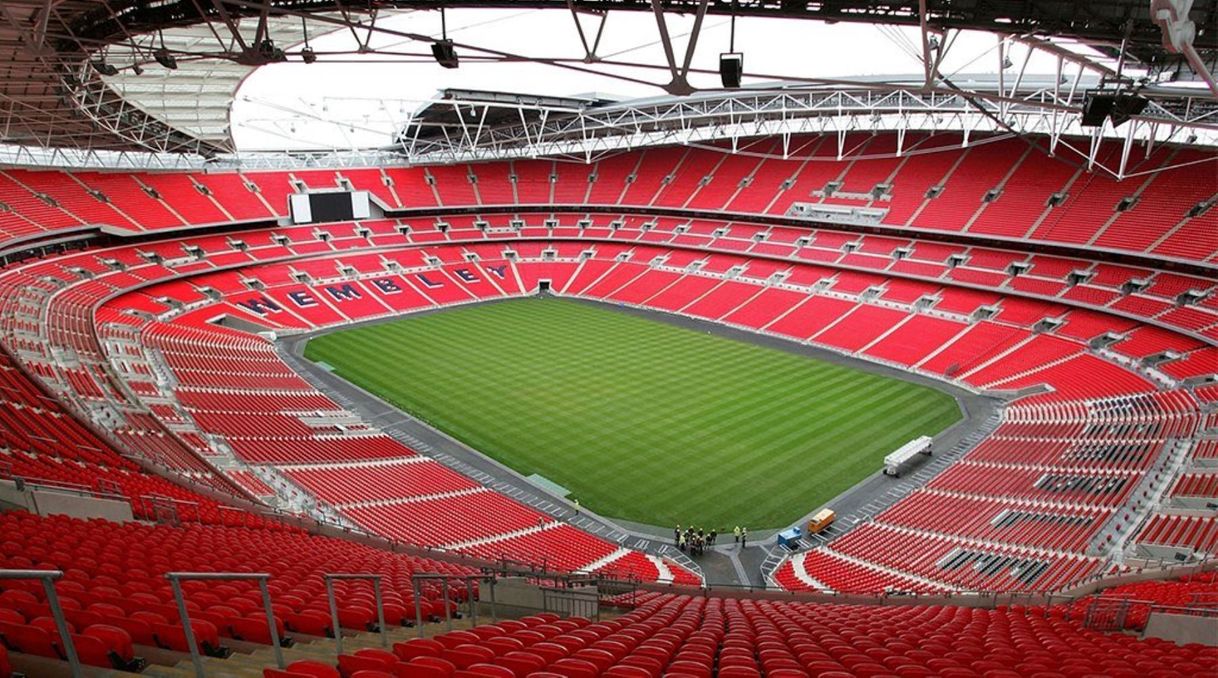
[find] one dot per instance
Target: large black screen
(327, 207)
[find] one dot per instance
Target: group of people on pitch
(696, 541)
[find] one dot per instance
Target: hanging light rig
(731, 62)
(442, 49)
(307, 54)
(163, 56)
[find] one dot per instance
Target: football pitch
(639, 419)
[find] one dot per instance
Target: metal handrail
(1190, 610)
(176, 579)
(61, 623)
(444, 579)
(560, 594)
(380, 606)
(46, 484)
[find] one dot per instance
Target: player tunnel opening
(543, 286)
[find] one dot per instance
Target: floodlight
(445, 53)
(104, 68)
(1096, 107)
(164, 58)
(1126, 106)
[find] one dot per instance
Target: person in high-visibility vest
(737, 533)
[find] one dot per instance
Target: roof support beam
(927, 70)
(55, 37)
(589, 50)
(680, 82)
(231, 23)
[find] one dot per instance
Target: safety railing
(110, 487)
(60, 486)
(192, 644)
(1203, 599)
(445, 581)
(569, 602)
(167, 510)
(380, 606)
(48, 577)
(1107, 614)
(1206, 611)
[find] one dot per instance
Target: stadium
(691, 338)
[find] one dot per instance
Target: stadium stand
(134, 369)
(673, 634)
(184, 490)
(52, 200)
(862, 330)
(113, 579)
(314, 287)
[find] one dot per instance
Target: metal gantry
(86, 75)
(1038, 108)
(726, 119)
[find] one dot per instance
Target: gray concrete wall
(516, 592)
(1182, 628)
(50, 502)
(1202, 504)
(9, 494)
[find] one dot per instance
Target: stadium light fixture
(731, 62)
(1119, 107)
(731, 69)
(104, 68)
(1127, 105)
(445, 54)
(164, 58)
(307, 54)
(1096, 107)
(442, 49)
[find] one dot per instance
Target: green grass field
(639, 419)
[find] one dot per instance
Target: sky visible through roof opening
(348, 100)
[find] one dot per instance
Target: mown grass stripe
(641, 420)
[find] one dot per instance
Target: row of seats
(114, 581)
(697, 178)
(705, 637)
(1140, 598)
(825, 246)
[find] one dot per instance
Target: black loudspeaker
(1096, 108)
(444, 53)
(731, 69)
(1127, 106)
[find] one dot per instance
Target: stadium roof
(84, 74)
